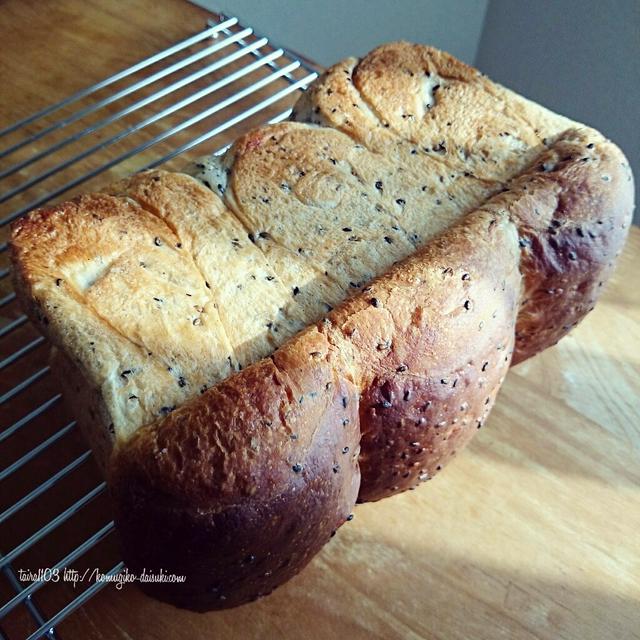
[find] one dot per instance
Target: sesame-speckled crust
(239, 489)
(457, 122)
(404, 95)
(264, 466)
(325, 316)
(447, 344)
(573, 211)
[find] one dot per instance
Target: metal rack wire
(185, 97)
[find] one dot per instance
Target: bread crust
(238, 489)
(573, 210)
(242, 484)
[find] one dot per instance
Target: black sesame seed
(388, 240)
(182, 382)
(401, 368)
(297, 467)
(157, 242)
(350, 517)
(374, 302)
(401, 202)
(296, 291)
(345, 449)
(126, 373)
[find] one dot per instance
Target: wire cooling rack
(192, 96)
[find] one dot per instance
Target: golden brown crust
(573, 218)
(281, 438)
(452, 309)
(402, 93)
(240, 486)
(469, 123)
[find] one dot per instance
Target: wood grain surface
(534, 532)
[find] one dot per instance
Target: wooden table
(533, 533)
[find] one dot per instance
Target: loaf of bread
(323, 315)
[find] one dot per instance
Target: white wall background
(328, 30)
(578, 57)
